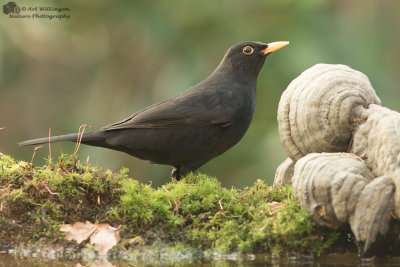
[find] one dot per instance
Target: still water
(258, 260)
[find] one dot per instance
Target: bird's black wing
(191, 108)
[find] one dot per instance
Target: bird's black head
(247, 57)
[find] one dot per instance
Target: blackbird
(198, 124)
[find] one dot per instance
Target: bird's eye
(248, 50)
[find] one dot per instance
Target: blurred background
(111, 59)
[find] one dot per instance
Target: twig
(34, 153)
(220, 204)
(79, 139)
(65, 169)
(176, 202)
(165, 189)
(49, 144)
(48, 189)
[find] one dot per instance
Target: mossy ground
(196, 212)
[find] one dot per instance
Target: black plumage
(194, 126)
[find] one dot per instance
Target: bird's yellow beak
(271, 47)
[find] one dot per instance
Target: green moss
(196, 212)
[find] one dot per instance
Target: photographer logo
(13, 11)
(11, 8)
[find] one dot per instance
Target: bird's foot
(176, 174)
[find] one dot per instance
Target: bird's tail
(86, 137)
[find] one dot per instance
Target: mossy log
(196, 213)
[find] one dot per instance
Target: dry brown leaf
(104, 238)
(78, 231)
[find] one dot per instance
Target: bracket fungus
(320, 108)
(377, 140)
(284, 173)
(329, 184)
(330, 109)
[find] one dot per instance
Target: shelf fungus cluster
(344, 154)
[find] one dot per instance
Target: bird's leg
(176, 173)
(181, 171)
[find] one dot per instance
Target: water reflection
(99, 263)
(258, 260)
